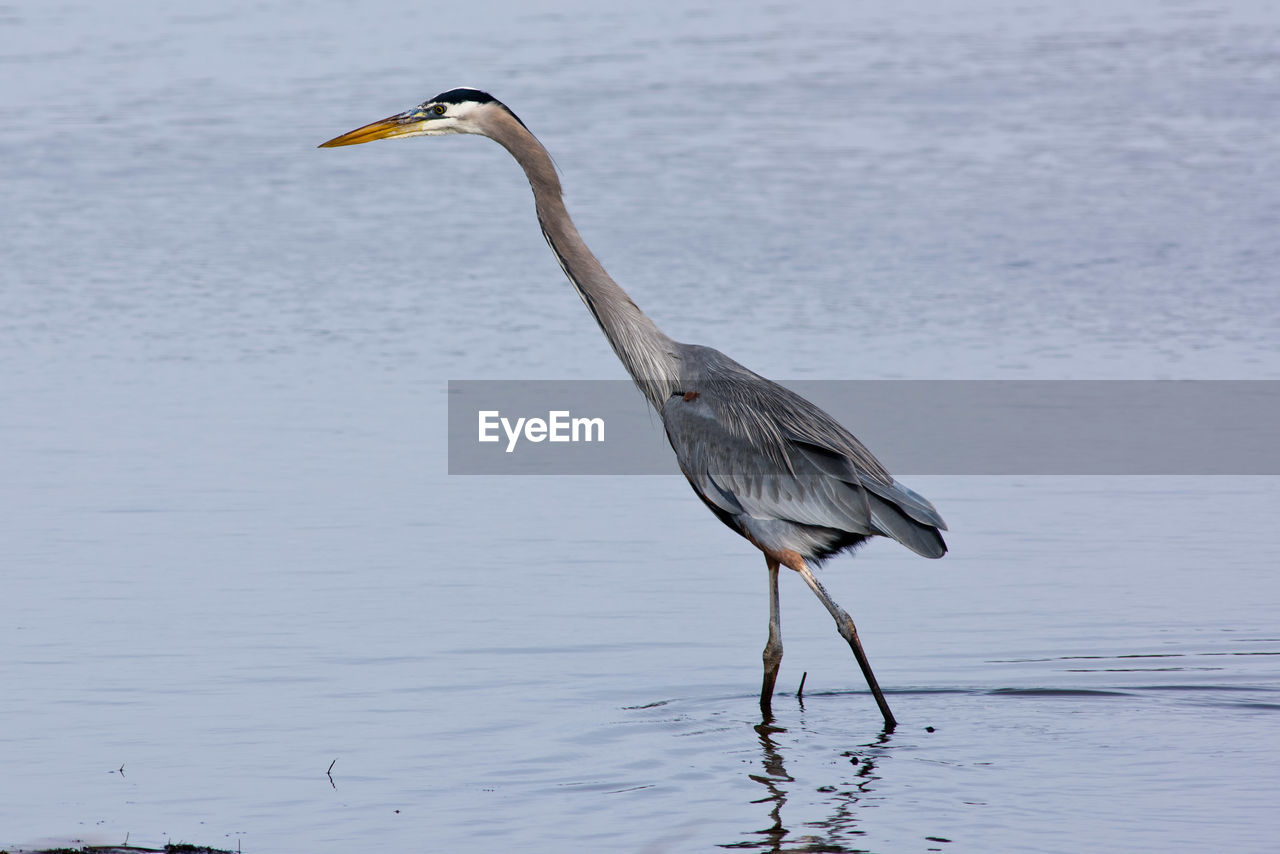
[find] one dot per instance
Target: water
(232, 555)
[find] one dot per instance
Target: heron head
(455, 111)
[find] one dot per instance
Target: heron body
(771, 465)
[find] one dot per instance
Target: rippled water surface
(232, 558)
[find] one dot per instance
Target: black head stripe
(462, 96)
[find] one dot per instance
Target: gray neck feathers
(646, 352)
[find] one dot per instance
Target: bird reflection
(831, 834)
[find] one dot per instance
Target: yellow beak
(397, 125)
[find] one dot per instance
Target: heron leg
(844, 623)
(773, 649)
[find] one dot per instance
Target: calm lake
(233, 558)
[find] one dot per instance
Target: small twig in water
(800, 690)
(329, 773)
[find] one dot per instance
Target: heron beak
(408, 123)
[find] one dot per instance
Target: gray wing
(760, 453)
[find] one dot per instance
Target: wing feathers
(758, 451)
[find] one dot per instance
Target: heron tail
(892, 521)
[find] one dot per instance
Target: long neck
(646, 352)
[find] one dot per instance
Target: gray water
(232, 555)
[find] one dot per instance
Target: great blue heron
(768, 463)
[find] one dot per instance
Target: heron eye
(438, 109)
